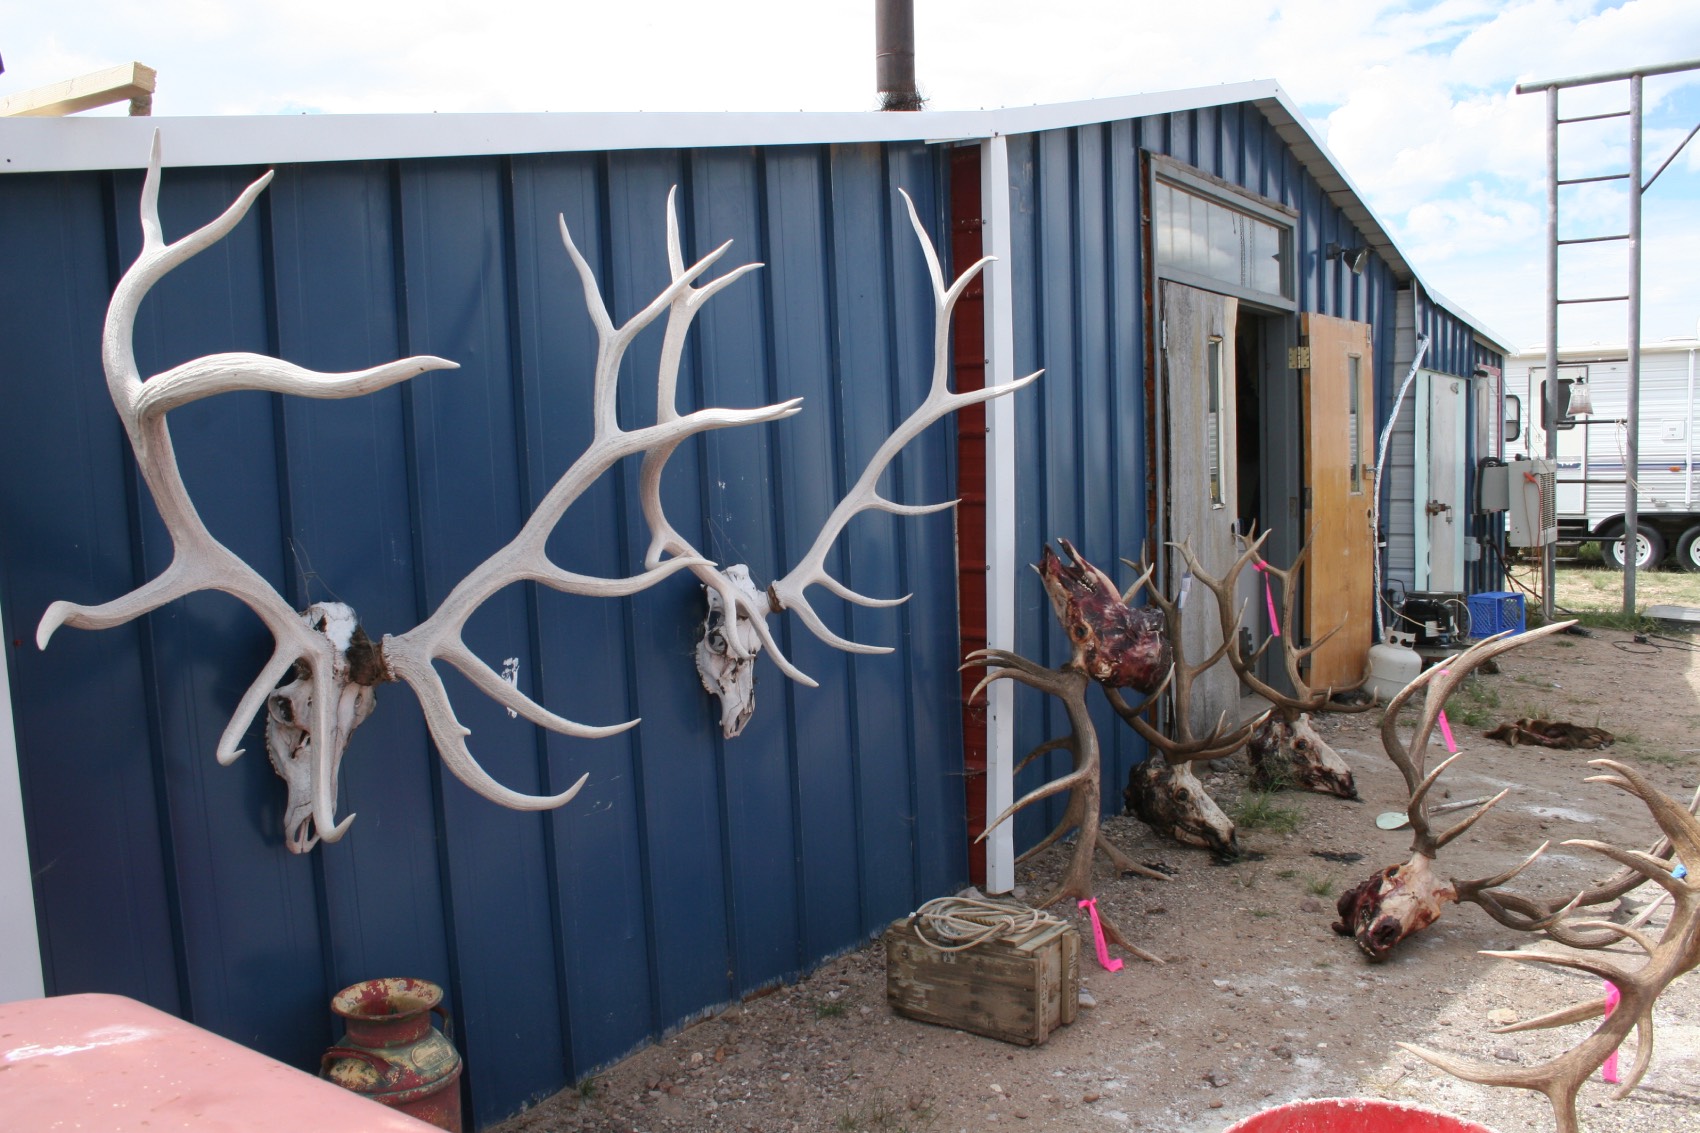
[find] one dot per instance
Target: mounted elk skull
(1676, 952)
(739, 599)
(1164, 792)
(1107, 637)
(334, 666)
(1286, 748)
(1400, 900)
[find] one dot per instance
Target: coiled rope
(952, 924)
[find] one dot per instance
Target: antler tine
(1144, 579)
(788, 592)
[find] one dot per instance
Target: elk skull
(1291, 751)
(1115, 644)
(726, 652)
(1393, 904)
(1169, 798)
(308, 763)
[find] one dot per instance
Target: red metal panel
(969, 362)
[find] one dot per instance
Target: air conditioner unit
(1533, 514)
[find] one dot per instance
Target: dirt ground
(1259, 1002)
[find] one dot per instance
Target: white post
(1000, 508)
(20, 950)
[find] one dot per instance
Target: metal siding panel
(333, 270)
(239, 896)
(739, 484)
(468, 477)
(103, 883)
(599, 844)
(865, 210)
(1063, 470)
(1092, 322)
(926, 472)
(682, 789)
(804, 246)
(1126, 464)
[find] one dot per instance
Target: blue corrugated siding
(691, 869)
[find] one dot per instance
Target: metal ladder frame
(1632, 457)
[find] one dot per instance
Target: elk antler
(743, 609)
(311, 718)
(1403, 899)
(1165, 793)
(1286, 745)
(525, 559)
(1676, 952)
(1068, 684)
(199, 561)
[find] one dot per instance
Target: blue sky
(1414, 99)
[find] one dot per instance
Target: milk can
(392, 1054)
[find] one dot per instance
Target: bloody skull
(1117, 645)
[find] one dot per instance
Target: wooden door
(1200, 437)
(1339, 414)
(1440, 453)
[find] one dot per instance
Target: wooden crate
(1018, 989)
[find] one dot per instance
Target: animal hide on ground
(1552, 733)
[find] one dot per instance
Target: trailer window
(1513, 417)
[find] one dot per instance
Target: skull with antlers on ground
(1110, 640)
(1674, 953)
(1403, 899)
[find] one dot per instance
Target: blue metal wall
(1081, 312)
(690, 870)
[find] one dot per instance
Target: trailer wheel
(1649, 550)
(1688, 550)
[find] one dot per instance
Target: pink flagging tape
(1446, 728)
(1111, 963)
(1608, 1072)
(1269, 599)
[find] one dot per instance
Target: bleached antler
(336, 666)
(199, 561)
(739, 601)
(525, 558)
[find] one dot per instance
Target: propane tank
(1391, 668)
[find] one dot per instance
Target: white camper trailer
(1593, 429)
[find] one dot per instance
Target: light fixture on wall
(1354, 258)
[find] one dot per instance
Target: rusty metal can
(392, 1054)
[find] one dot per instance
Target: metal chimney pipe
(894, 54)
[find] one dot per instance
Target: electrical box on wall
(1532, 517)
(1495, 487)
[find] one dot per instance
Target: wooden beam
(130, 82)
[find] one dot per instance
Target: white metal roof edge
(34, 145)
(1537, 353)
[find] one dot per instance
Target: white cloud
(1414, 97)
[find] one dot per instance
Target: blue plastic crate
(1496, 612)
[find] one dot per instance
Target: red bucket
(1353, 1115)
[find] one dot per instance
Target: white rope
(952, 924)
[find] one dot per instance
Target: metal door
(1200, 473)
(1339, 418)
(1442, 515)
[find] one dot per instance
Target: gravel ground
(1258, 1002)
